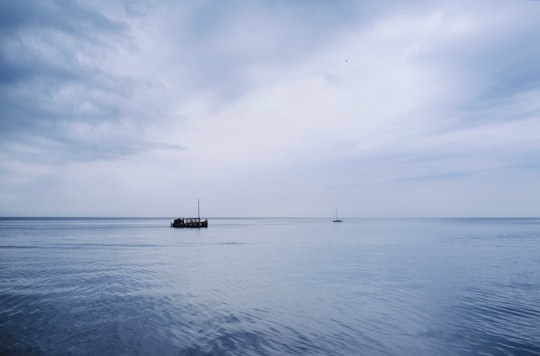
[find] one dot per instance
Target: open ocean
(91, 286)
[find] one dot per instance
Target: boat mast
(198, 209)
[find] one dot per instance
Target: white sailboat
(336, 219)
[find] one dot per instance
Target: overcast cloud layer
(270, 108)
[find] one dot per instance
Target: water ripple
(269, 288)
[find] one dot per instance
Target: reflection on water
(270, 287)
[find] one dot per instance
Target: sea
(273, 286)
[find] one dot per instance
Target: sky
(270, 108)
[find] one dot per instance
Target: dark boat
(191, 222)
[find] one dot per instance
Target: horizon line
(270, 217)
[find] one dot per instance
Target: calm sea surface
(270, 287)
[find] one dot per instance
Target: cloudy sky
(270, 108)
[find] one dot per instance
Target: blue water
(270, 287)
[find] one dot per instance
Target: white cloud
(275, 111)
